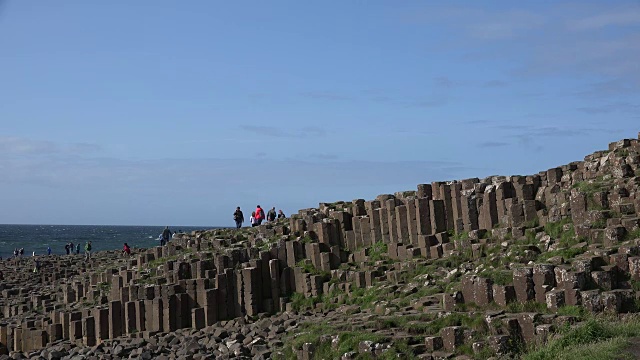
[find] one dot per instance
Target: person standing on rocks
(253, 220)
(49, 250)
(87, 251)
(259, 214)
(281, 215)
(166, 235)
(78, 249)
(271, 215)
(238, 217)
(126, 250)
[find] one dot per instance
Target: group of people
(69, 248)
(257, 216)
(166, 236)
(18, 252)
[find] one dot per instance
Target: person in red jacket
(126, 250)
(259, 214)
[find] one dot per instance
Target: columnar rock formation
(208, 277)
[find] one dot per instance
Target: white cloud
(12, 145)
(618, 17)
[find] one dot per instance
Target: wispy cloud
(443, 82)
(324, 156)
(505, 25)
(616, 17)
(610, 88)
(495, 84)
(492, 144)
(624, 107)
(265, 130)
(276, 132)
(326, 95)
(429, 103)
(552, 40)
(23, 146)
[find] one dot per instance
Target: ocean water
(38, 237)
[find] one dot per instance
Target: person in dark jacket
(238, 217)
(271, 214)
(166, 235)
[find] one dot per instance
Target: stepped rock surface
(474, 268)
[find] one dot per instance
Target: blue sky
(166, 112)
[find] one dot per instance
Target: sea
(37, 238)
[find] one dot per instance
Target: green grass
(597, 338)
(306, 240)
(378, 251)
(322, 334)
(530, 236)
(577, 311)
(635, 234)
(622, 152)
(529, 306)
(460, 236)
(308, 267)
(599, 224)
(556, 229)
(564, 253)
(104, 286)
(590, 187)
(566, 239)
(365, 298)
(532, 223)
(499, 277)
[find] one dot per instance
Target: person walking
(259, 214)
(87, 251)
(281, 215)
(238, 217)
(166, 235)
(271, 215)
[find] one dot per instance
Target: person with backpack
(253, 220)
(87, 250)
(271, 214)
(259, 215)
(238, 217)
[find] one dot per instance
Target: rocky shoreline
(476, 268)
